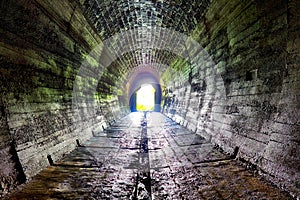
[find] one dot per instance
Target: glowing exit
(145, 98)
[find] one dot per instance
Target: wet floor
(147, 156)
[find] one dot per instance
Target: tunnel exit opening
(145, 98)
(144, 92)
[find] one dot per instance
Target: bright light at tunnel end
(145, 98)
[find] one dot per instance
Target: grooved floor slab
(182, 165)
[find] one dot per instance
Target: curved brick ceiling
(113, 18)
(120, 71)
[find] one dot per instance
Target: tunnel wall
(255, 50)
(41, 50)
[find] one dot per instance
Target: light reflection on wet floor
(175, 164)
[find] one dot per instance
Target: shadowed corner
(21, 177)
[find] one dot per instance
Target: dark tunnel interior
(220, 118)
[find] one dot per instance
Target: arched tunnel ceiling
(111, 18)
(120, 70)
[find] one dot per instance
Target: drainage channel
(143, 180)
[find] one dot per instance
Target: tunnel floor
(147, 157)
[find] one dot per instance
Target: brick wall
(249, 98)
(42, 48)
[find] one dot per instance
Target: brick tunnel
(220, 118)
